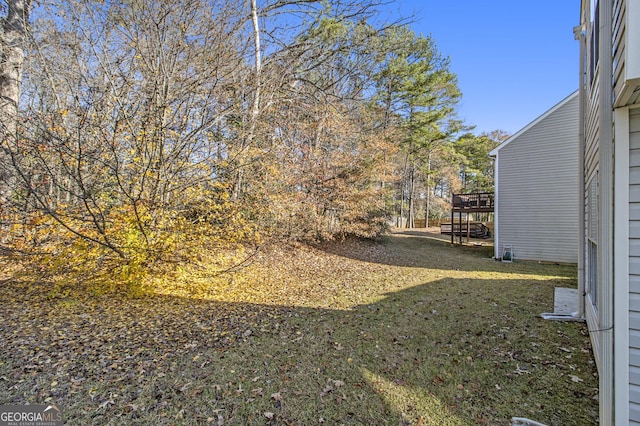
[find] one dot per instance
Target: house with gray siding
(536, 184)
(609, 238)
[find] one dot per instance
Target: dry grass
(408, 330)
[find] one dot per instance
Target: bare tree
(13, 35)
(129, 108)
(151, 126)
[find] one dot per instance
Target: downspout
(579, 34)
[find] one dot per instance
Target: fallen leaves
(272, 347)
(107, 342)
(575, 379)
(331, 386)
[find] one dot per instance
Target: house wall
(626, 63)
(537, 184)
(634, 266)
(592, 181)
(612, 201)
(619, 46)
(600, 300)
(626, 257)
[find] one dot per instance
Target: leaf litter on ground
(404, 329)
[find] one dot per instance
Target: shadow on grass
(470, 351)
(419, 249)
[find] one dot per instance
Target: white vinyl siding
(626, 64)
(537, 186)
(634, 266)
(612, 159)
(619, 46)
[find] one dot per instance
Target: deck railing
(475, 201)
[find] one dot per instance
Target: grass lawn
(404, 331)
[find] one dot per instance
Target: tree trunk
(411, 213)
(12, 40)
(255, 108)
(257, 76)
(403, 186)
(428, 185)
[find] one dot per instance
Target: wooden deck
(475, 202)
(473, 229)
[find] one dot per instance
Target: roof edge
(550, 111)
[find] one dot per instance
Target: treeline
(135, 132)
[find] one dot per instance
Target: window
(595, 39)
(592, 242)
(592, 273)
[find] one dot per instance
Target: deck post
(452, 210)
(476, 202)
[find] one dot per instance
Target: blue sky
(514, 59)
